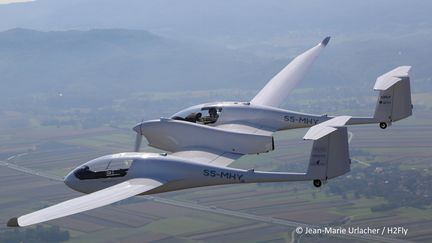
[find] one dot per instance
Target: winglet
(325, 41)
(279, 87)
(13, 222)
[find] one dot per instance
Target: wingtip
(325, 41)
(13, 222)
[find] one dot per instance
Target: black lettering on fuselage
(304, 120)
(223, 175)
(226, 175)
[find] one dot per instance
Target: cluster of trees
(39, 234)
(400, 188)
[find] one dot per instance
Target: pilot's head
(212, 111)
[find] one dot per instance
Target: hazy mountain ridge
(124, 61)
(243, 19)
(108, 63)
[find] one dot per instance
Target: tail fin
(394, 101)
(330, 154)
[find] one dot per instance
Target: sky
(222, 18)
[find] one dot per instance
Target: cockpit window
(103, 168)
(202, 115)
(213, 114)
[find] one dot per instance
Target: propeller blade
(138, 141)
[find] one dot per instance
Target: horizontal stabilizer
(325, 128)
(389, 79)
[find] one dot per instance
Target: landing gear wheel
(383, 125)
(317, 183)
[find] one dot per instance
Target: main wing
(93, 200)
(215, 156)
(208, 156)
(205, 144)
(247, 128)
(279, 87)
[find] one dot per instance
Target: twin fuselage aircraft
(201, 141)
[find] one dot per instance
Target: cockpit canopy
(104, 167)
(203, 114)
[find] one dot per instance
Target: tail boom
(394, 100)
(329, 159)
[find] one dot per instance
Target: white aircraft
(203, 140)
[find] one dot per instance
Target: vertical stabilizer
(394, 100)
(330, 155)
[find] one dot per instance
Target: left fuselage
(177, 174)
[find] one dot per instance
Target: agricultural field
(387, 164)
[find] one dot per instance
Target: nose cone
(137, 128)
(71, 181)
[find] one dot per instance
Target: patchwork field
(56, 151)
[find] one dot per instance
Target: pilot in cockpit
(193, 117)
(213, 116)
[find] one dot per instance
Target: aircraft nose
(137, 128)
(71, 180)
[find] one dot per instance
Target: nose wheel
(383, 125)
(317, 183)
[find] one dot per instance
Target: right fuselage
(268, 117)
(264, 117)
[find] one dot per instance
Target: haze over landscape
(77, 75)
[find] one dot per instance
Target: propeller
(138, 138)
(138, 141)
